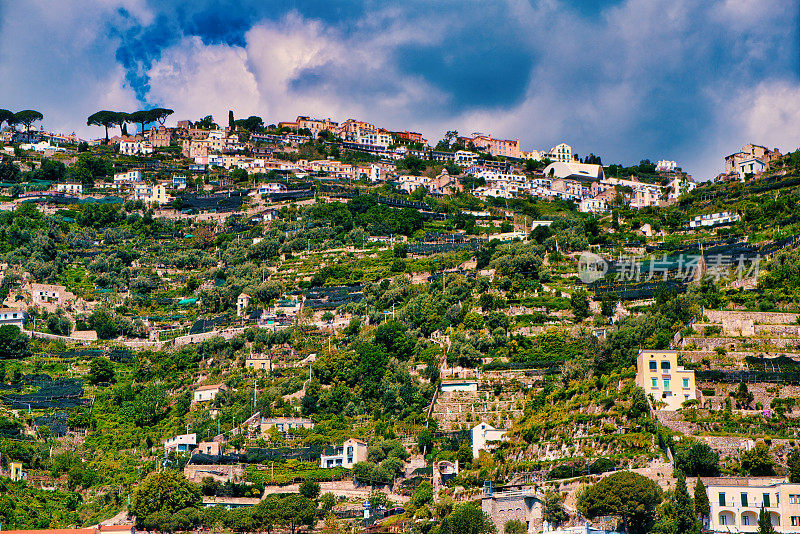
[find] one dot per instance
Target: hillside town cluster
(498, 163)
(477, 407)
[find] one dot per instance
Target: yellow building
(16, 471)
(658, 373)
(151, 193)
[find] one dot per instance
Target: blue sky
(629, 79)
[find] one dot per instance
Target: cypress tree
(764, 522)
(685, 519)
(230, 120)
(701, 505)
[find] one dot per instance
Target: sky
(683, 80)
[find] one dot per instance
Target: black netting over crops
(60, 393)
(56, 422)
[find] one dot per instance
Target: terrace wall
(717, 316)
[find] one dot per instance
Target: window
(723, 520)
(653, 365)
(744, 499)
(792, 499)
(745, 520)
(665, 366)
(795, 521)
(654, 383)
(685, 383)
(666, 384)
(765, 500)
(722, 501)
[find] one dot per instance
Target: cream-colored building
(485, 437)
(658, 373)
(207, 393)
(736, 503)
(242, 302)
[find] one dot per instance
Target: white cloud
(55, 57)
(771, 115)
(197, 80)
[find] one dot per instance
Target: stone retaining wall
(725, 342)
(717, 316)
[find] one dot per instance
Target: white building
(12, 316)
(484, 438)
(207, 393)
(714, 219)
(573, 170)
(592, 205)
(345, 455)
(42, 146)
(410, 183)
(679, 186)
(465, 158)
(133, 148)
(381, 139)
(735, 505)
(658, 373)
(180, 443)
(129, 177)
(666, 166)
(73, 189)
(750, 166)
(561, 152)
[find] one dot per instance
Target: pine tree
(765, 522)
(685, 519)
(701, 505)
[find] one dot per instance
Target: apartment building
(72, 189)
(736, 503)
(658, 373)
(410, 137)
(592, 205)
(561, 153)
(151, 193)
(351, 129)
(496, 147)
(666, 166)
(128, 177)
(643, 195)
(379, 139)
(711, 220)
(316, 126)
(135, 148)
(465, 158)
